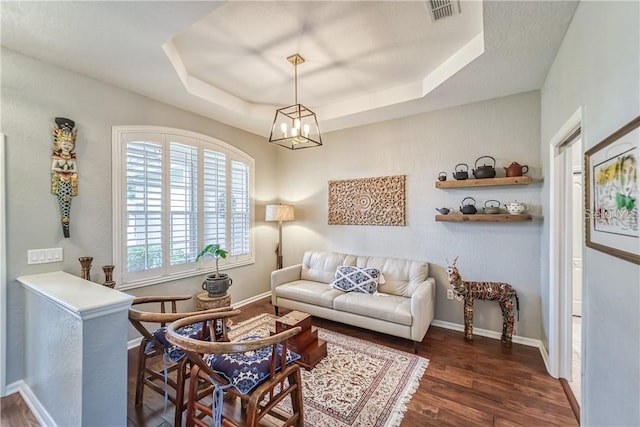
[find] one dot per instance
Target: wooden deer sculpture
(489, 291)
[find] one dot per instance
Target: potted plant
(215, 284)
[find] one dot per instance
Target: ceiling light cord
(295, 80)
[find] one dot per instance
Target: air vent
(440, 9)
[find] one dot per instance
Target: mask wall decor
(64, 171)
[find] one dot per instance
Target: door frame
(560, 249)
(3, 272)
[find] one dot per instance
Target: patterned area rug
(358, 383)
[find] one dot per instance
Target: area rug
(358, 383)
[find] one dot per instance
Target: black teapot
(485, 171)
(468, 209)
(461, 174)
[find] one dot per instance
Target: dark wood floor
(14, 412)
(466, 384)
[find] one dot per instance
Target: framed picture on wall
(612, 190)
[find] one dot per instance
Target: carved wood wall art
(64, 172)
(368, 201)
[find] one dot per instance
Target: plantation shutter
(183, 199)
(174, 192)
(144, 205)
(215, 183)
(240, 208)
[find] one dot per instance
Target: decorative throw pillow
(355, 279)
(245, 371)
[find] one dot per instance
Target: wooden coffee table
(307, 344)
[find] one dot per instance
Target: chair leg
(193, 391)
(415, 347)
(142, 359)
(276, 309)
(251, 419)
(181, 377)
(296, 397)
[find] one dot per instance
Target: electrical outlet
(449, 293)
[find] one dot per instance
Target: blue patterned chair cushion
(355, 279)
(174, 352)
(246, 371)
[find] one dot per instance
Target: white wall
(33, 93)
(598, 68)
(420, 147)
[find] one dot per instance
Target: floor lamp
(279, 213)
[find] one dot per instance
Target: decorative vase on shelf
(85, 262)
(108, 276)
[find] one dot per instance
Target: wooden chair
(257, 370)
(154, 346)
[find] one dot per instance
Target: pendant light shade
(295, 126)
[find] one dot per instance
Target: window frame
(165, 135)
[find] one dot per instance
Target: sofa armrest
(423, 308)
(282, 276)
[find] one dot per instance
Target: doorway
(3, 273)
(565, 259)
(577, 237)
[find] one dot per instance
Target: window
(174, 192)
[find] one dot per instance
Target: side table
(307, 344)
(205, 302)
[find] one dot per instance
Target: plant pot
(217, 286)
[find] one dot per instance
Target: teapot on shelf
(445, 211)
(484, 171)
(489, 209)
(469, 208)
(460, 174)
(516, 169)
(516, 208)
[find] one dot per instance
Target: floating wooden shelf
(483, 218)
(488, 182)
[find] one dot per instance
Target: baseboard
(252, 299)
(136, 341)
(530, 342)
(41, 414)
(13, 388)
(545, 358)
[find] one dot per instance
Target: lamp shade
(279, 213)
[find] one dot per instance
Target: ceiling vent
(440, 9)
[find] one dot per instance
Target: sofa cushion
(310, 292)
(321, 266)
(354, 279)
(402, 276)
(390, 308)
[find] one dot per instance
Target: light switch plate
(42, 256)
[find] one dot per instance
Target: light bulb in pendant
(306, 130)
(283, 128)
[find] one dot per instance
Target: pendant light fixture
(295, 126)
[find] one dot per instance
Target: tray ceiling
(365, 61)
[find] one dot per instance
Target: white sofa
(403, 305)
